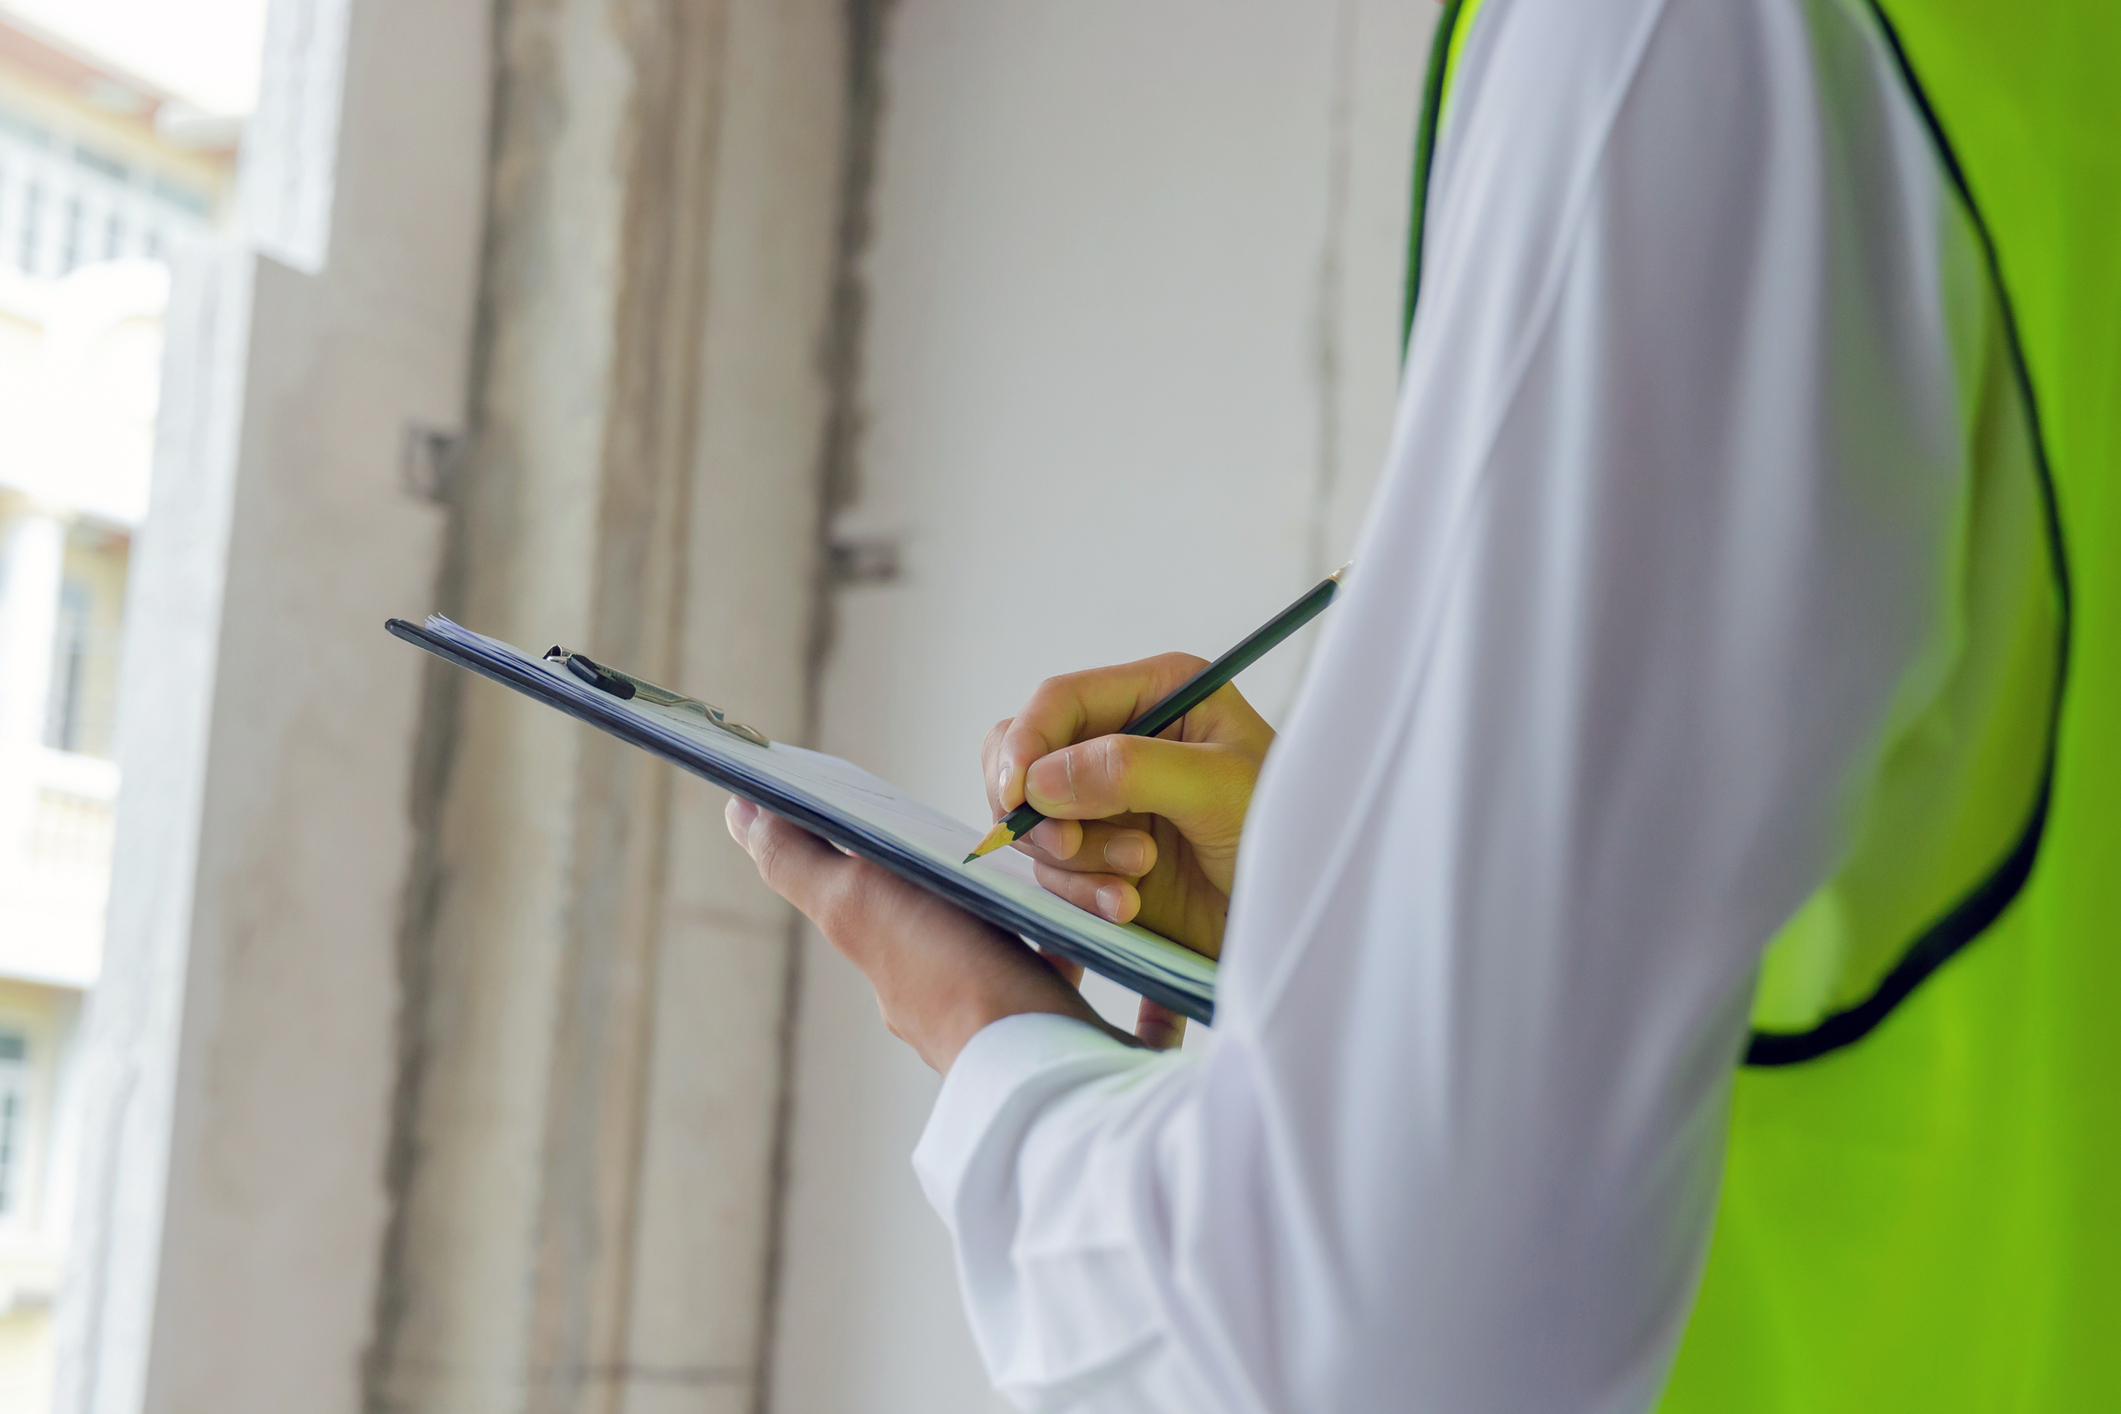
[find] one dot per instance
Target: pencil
(1187, 696)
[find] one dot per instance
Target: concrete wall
(1125, 380)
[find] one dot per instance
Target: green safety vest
(1922, 1195)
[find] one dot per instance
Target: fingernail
(1112, 901)
(1129, 854)
(738, 817)
(1048, 779)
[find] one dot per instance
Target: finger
(1073, 706)
(1071, 972)
(1158, 1027)
(1053, 840)
(1106, 895)
(990, 760)
(1092, 846)
(1185, 782)
(795, 864)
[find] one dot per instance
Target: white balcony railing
(52, 893)
(64, 202)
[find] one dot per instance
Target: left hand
(941, 975)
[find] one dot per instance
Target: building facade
(101, 177)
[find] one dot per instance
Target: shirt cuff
(990, 1076)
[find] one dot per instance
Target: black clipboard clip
(626, 687)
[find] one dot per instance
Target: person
(1696, 699)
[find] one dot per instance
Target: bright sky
(205, 51)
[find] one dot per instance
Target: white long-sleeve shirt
(1659, 551)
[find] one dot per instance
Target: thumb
(795, 864)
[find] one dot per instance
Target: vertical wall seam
(1330, 292)
(1328, 320)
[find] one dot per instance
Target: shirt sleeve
(1666, 527)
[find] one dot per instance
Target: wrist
(982, 1006)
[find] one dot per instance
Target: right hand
(1138, 829)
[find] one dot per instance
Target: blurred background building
(102, 174)
(855, 362)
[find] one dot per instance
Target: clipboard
(838, 801)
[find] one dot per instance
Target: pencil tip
(993, 840)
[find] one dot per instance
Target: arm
(1632, 607)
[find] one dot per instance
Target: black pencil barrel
(1217, 675)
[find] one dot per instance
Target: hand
(940, 974)
(1140, 829)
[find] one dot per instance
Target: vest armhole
(1986, 902)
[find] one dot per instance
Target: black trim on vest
(1424, 153)
(1973, 914)
(1978, 910)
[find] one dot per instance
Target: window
(24, 131)
(70, 253)
(186, 199)
(113, 237)
(97, 162)
(32, 214)
(66, 710)
(14, 1118)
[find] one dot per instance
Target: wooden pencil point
(993, 840)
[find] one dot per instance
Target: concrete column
(591, 1050)
(32, 558)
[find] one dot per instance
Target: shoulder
(1640, 114)
(1555, 81)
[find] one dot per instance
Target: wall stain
(434, 760)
